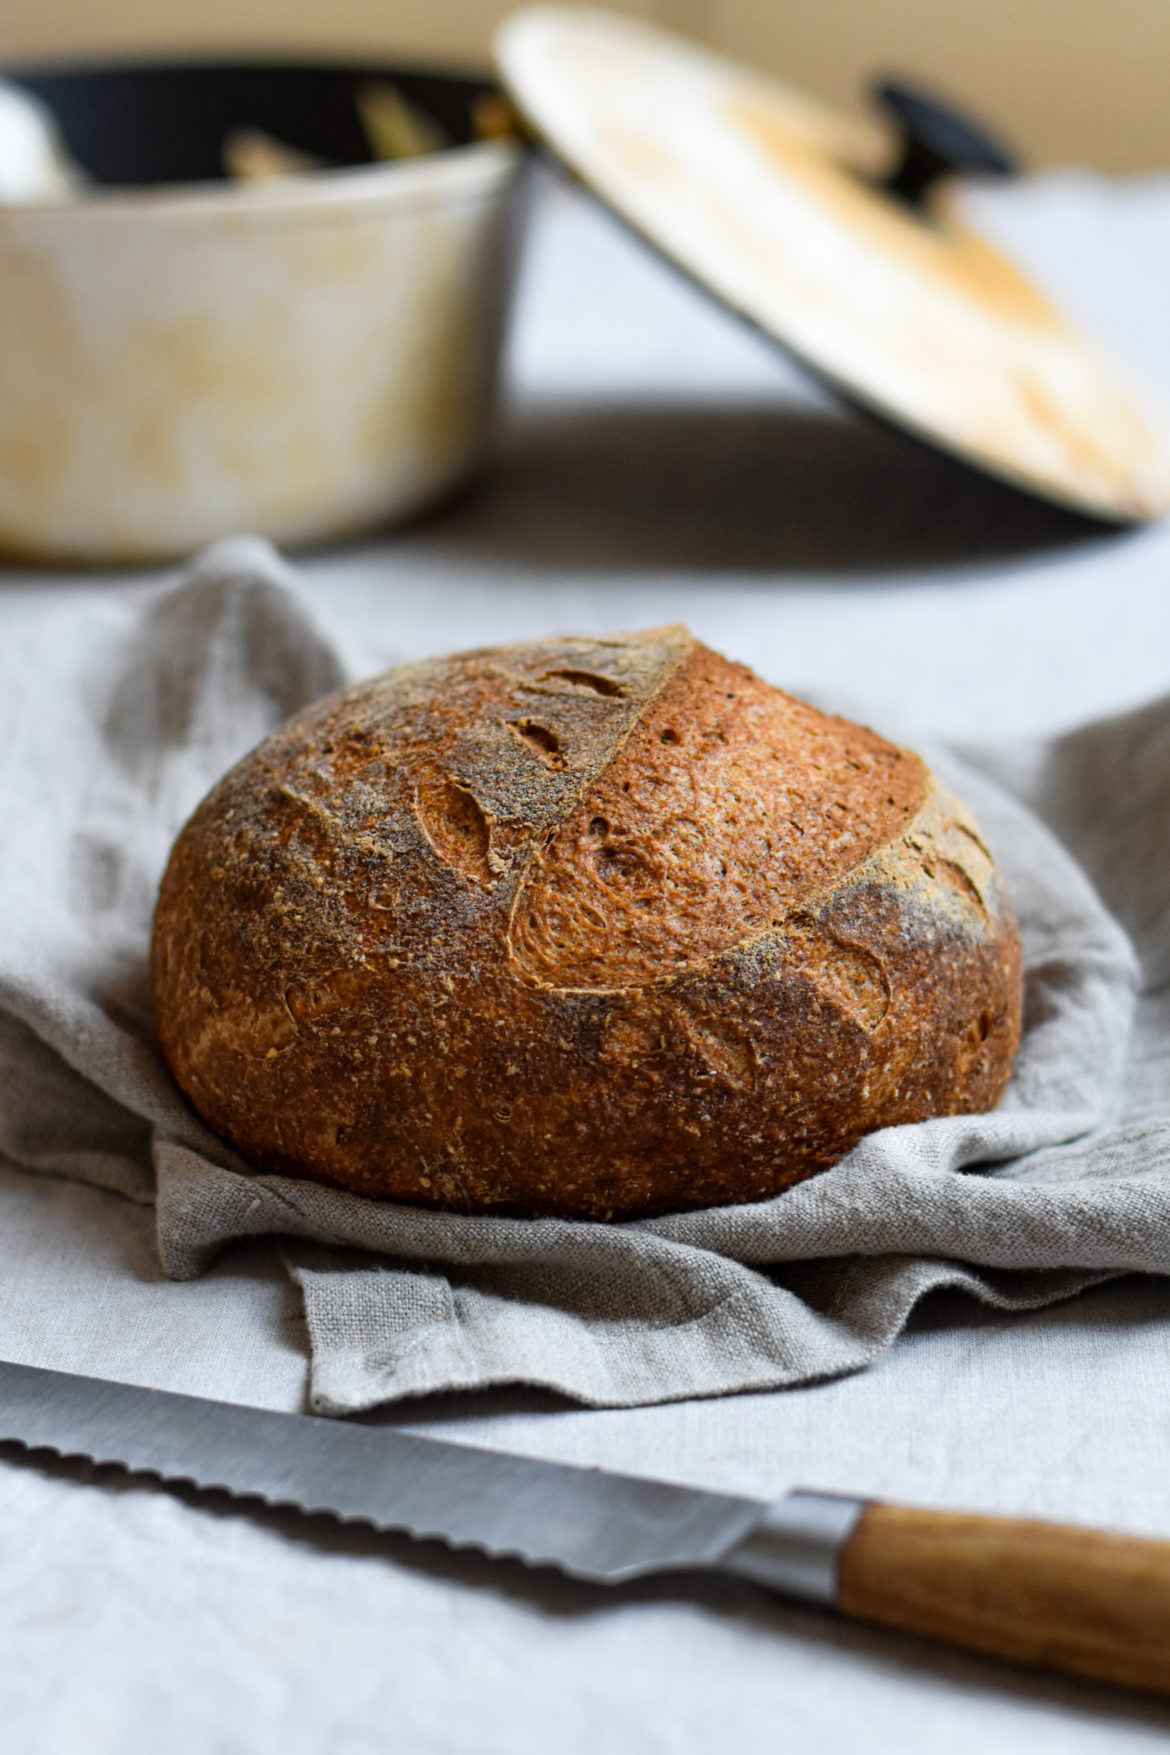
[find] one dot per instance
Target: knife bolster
(795, 1546)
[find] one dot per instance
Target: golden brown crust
(584, 927)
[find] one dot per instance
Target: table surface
(655, 463)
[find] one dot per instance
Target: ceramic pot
(181, 358)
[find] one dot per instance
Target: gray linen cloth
(115, 718)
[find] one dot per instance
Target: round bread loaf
(599, 927)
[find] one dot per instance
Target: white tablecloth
(657, 464)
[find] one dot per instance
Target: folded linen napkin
(116, 717)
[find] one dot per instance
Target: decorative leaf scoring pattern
(600, 927)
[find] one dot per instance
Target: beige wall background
(1084, 81)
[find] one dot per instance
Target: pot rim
(469, 167)
(333, 192)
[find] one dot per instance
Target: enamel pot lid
(839, 242)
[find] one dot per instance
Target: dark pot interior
(166, 122)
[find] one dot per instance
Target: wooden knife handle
(1038, 1593)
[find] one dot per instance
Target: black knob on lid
(937, 141)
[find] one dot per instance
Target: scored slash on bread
(586, 927)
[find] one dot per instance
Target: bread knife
(1079, 1600)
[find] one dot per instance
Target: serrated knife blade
(1081, 1600)
(602, 1527)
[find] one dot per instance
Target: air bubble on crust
(458, 829)
(848, 975)
(540, 740)
(722, 1048)
(949, 871)
(593, 680)
(966, 829)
